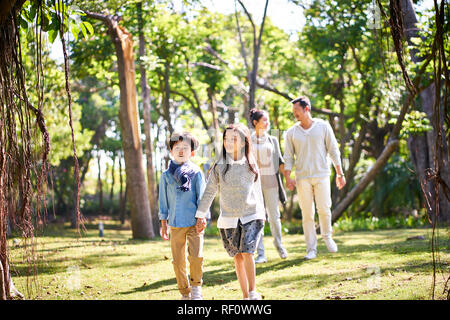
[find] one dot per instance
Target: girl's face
(181, 151)
(233, 142)
(263, 123)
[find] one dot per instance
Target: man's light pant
(271, 199)
(178, 237)
(316, 190)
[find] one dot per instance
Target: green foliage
(54, 102)
(415, 123)
(370, 223)
(49, 20)
(344, 224)
(342, 64)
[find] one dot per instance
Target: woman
(270, 162)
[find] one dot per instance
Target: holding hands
(201, 224)
(290, 183)
(199, 227)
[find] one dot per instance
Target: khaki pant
(178, 237)
(316, 190)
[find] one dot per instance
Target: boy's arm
(200, 188)
(163, 207)
(163, 202)
(164, 233)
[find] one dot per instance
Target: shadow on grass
(64, 230)
(221, 276)
(226, 273)
(376, 243)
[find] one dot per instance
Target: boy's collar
(178, 163)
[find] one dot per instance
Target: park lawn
(369, 265)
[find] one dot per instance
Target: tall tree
(141, 222)
(424, 147)
(252, 72)
(146, 106)
(24, 137)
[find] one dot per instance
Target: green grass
(379, 264)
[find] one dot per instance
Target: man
(309, 142)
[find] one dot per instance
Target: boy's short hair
(303, 100)
(183, 136)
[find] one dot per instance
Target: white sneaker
(283, 253)
(260, 259)
(253, 295)
(186, 296)
(311, 254)
(331, 245)
(196, 293)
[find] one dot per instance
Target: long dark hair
(244, 132)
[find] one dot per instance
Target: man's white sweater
(308, 150)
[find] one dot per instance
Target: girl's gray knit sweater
(240, 195)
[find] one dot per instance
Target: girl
(242, 214)
(270, 162)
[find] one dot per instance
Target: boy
(180, 189)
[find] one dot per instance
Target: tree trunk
(166, 96)
(121, 197)
(123, 207)
(422, 147)
(364, 182)
(3, 283)
(99, 186)
(141, 222)
(145, 94)
(213, 107)
(253, 73)
(111, 191)
(7, 7)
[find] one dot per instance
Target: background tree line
(141, 69)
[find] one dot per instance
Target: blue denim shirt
(177, 206)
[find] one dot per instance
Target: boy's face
(181, 151)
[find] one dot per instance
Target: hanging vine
(441, 113)
(24, 138)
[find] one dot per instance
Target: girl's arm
(209, 194)
(280, 156)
